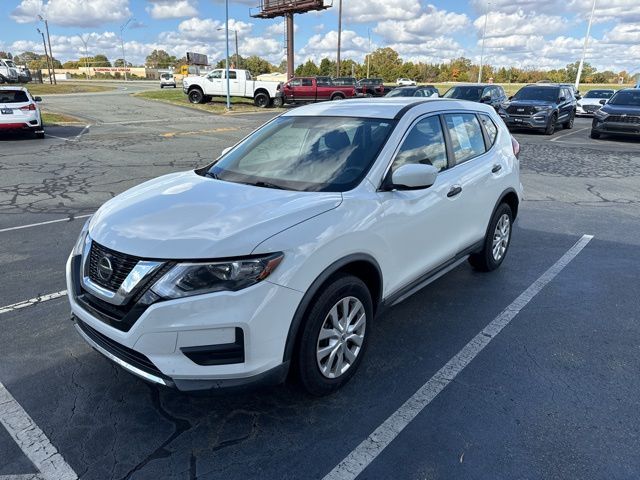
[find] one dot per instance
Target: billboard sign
(197, 59)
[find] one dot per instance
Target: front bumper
(537, 121)
(615, 128)
(159, 347)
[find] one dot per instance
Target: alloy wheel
(501, 237)
(341, 337)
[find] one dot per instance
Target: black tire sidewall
(307, 368)
(261, 103)
(484, 260)
(551, 128)
(197, 94)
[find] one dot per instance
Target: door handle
(496, 168)
(455, 190)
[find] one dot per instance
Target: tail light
(516, 147)
(26, 108)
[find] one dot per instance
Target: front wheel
(277, 102)
(595, 135)
(335, 336)
(196, 96)
(261, 100)
(551, 126)
(497, 241)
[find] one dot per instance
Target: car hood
(620, 109)
(187, 216)
(526, 103)
(589, 101)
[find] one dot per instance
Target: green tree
(5, 55)
(327, 67)
(119, 62)
(100, 61)
(307, 69)
(35, 61)
(70, 64)
(572, 71)
(256, 65)
(385, 63)
(160, 59)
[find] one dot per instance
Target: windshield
(326, 154)
(465, 93)
(626, 97)
(544, 94)
(10, 63)
(401, 92)
(599, 94)
(166, 76)
(13, 96)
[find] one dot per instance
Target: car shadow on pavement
(63, 132)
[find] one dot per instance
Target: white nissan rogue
(280, 254)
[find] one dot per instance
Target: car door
(214, 83)
(565, 105)
(473, 166)
(307, 90)
(419, 226)
(236, 86)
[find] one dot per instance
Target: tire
(39, 135)
(261, 100)
(595, 135)
(277, 102)
(569, 124)
(344, 290)
(551, 127)
(195, 96)
(161, 87)
(337, 96)
(491, 256)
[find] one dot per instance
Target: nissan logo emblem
(105, 269)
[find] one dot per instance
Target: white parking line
(69, 219)
(557, 137)
(32, 301)
(374, 444)
(32, 441)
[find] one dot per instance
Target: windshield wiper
(267, 185)
(211, 174)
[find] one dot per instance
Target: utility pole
(584, 49)
(290, 52)
(226, 45)
(484, 34)
(46, 56)
(339, 37)
(86, 54)
(53, 69)
(124, 60)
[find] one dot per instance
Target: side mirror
(37, 99)
(225, 151)
(485, 99)
(603, 101)
(562, 99)
(578, 97)
(414, 176)
(511, 97)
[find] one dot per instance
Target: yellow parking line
(197, 132)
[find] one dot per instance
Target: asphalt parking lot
(552, 395)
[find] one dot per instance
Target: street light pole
(46, 56)
(53, 68)
(86, 66)
(584, 49)
(369, 54)
(237, 57)
(226, 44)
(339, 37)
(124, 60)
(484, 34)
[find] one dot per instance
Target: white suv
(281, 253)
(19, 111)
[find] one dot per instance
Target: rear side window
(306, 82)
(490, 127)
(13, 96)
(424, 144)
(467, 141)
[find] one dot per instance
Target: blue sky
(524, 33)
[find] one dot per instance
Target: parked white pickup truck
(214, 84)
(8, 71)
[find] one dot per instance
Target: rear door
(236, 85)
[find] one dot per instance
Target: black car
(620, 115)
(421, 91)
(478, 92)
(540, 107)
(372, 87)
(344, 81)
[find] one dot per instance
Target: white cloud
(162, 9)
(320, 46)
(501, 24)
(357, 11)
(72, 13)
(432, 22)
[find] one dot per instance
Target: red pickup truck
(309, 89)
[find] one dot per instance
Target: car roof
(384, 107)
(14, 88)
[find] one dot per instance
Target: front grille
(121, 263)
(520, 110)
(623, 119)
(126, 354)
(591, 108)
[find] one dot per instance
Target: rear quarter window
(490, 128)
(466, 136)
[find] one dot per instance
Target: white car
(8, 71)
(281, 253)
(167, 80)
(590, 103)
(405, 82)
(19, 111)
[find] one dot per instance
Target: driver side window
(424, 144)
(215, 75)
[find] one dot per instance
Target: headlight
(82, 239)
(186, 279)
(600, 114)
(579, 104)
(541, 109)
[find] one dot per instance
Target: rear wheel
(261, 100)
(334, 336)
(595, 134)
(277, 102)
(551, 126)
(497, 241)
(196, 96)
(338, 96)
